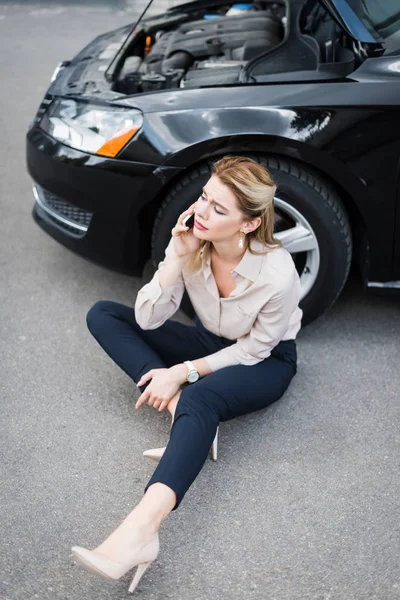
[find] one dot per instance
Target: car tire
(310, 219)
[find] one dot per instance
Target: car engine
(206, 51)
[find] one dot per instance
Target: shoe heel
(154, 453)
(138, 575)
(214, 447)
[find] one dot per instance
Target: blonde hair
(254, 189)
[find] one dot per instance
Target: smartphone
(189, 221)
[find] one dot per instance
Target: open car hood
(349, 19)
(185, 48)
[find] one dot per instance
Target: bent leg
(223, 395)
(136, 350)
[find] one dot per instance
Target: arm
(181, 370)
(159, 299)
(268, 329)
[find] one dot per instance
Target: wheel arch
(349, 188)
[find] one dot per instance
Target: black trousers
(225, 394)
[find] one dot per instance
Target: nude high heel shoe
(96, 563)
(214, 447)
(156, 453)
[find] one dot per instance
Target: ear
(251, 225)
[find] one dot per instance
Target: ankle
(154, 507)
(143, 521)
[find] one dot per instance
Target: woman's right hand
(185, 242)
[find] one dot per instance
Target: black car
(126, 133)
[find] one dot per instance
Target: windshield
(380, 17)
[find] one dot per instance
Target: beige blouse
(262, 310)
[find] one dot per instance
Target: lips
(199, 226)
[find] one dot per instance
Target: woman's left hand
(165, 383)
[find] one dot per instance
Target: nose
(202, 211)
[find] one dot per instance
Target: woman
(245, 291)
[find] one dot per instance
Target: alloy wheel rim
(300, 240)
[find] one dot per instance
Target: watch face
(193, 376)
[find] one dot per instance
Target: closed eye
(215, 208)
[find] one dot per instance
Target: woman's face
(217, 210)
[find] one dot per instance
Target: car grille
(72, 219)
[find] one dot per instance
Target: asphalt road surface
(303, 502)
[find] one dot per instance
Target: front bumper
(66, 217)
(95, 206)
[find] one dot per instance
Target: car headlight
(96, 129)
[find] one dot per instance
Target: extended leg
(223, 395)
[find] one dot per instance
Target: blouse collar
(249, 265)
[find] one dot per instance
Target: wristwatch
(193, 374)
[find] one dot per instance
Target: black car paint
(349, 130)
(116, 191)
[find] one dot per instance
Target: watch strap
(189, 365)
(191, 368)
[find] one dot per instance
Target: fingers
(145, 377)
(163, 405)
(151, 401)
(186, 213)
(189, 210)
(142, 400)
(178, 229)
(160, 404)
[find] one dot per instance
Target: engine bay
(248, 43)
(201, 48)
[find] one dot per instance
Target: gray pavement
(303, 502)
